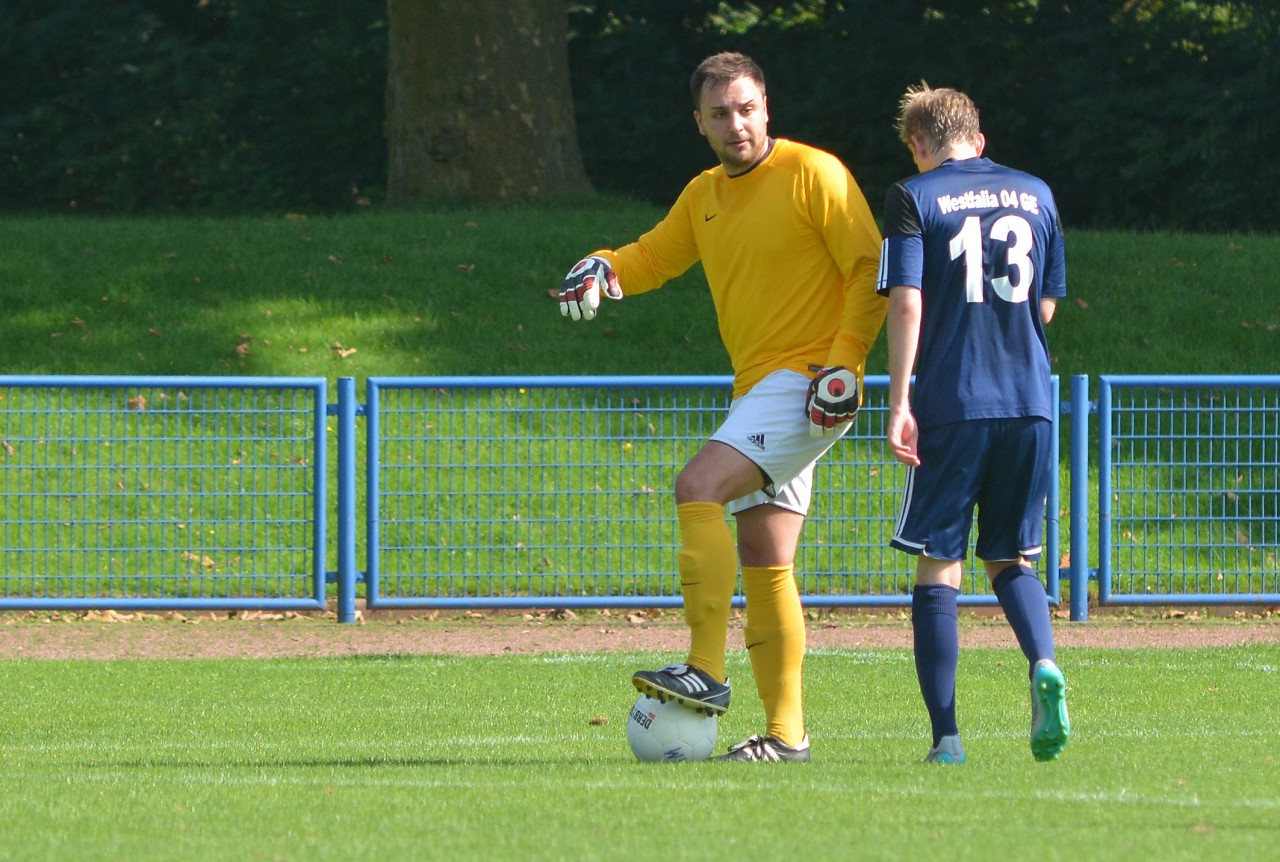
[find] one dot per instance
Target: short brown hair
(723, 68)
(940, 116)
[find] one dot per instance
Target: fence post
(346, 500)
(1079, 498)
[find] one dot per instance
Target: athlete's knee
(995, 568)
(691, 487)
(701, 482)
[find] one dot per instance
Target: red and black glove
(580, 292)
(832, 402)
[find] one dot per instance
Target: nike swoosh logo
(707, 218)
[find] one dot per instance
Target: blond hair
(942, 117)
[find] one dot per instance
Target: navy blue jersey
(983, 244)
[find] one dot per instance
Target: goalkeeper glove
(833, 400)
(580, 293)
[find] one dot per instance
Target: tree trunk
(479, 107)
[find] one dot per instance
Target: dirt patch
(111, 635)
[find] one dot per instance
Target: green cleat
(948, 750)
(1050, 727)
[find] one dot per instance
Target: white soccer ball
(659, 732)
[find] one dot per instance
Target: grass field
(397, 757)
(1173, 757)
(464, 291)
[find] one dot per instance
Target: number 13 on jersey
(1015, 233)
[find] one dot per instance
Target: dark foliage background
(1140, 114)
(155, 105)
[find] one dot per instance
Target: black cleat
(767, 749)
(685, 685)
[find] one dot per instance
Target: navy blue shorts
(1001, 466)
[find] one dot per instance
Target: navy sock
(1022, 597)
(937, 651)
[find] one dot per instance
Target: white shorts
(769, 425)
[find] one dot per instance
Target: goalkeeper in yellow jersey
(790, 251)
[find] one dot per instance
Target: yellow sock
(708, 573)
(775, 636)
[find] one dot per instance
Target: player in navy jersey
(973, 264)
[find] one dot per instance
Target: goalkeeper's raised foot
(686, 685)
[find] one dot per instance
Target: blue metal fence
(162, 492)
(1189, 490)
(556, 492)
(178, 492)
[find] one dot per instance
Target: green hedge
(1139, 114)
(178, 104)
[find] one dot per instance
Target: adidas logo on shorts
(756, 440)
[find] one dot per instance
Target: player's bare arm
(904, 336)
(1048, 305)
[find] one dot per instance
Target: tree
(479, 106)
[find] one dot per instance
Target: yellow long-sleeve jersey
(790, 250)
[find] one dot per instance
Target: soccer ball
(660, 731)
